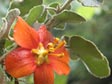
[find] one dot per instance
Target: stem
(2, 57)
(50, 8)
(10, 38)
(65, 5)
(52, 21)
(16, 81)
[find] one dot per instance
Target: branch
(65, 5)
(52, 21)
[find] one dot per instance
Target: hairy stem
(51, 22)
(65, 5)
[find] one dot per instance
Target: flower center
(42, 53)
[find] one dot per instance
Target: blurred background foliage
(97, 28)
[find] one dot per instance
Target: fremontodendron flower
(39, 52)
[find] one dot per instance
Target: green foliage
(6, 26)
(35, 10)
(52, 1)
(91, 2)
(86, 12)
(34, 14)
(93, 59)
(26, 5)
(54, 6)
(68, 17)
(60, 79)
(43, 17)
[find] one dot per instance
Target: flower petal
(66, 57)
(45, 35)
(44, 75)
(59, 66)
(20, 62)
(24, 35)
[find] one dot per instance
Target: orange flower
(39, 53)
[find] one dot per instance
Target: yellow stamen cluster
(42, 53)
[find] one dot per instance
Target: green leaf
(53, 5)
(60, 26)
(72, 53)
(34, 14)
(60, 79)
(56, 5)
(25, 5)
(95, 62)
(69, 17)
(83, 11)
(43, 17)
(93, 3)
(53, 1)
